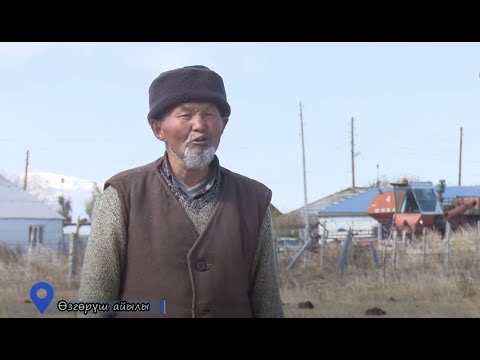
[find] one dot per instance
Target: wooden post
(299, 254)
(380, 232)
(424, 247)
(72, 258)
(305, 255)
(384, 257)
(73, 254)
(476, 245)
(448, 234)
(404, 239)
(322, 248)
(343, 256)
(477, 240)
(394, 260)
(376, 262)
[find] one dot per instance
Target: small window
(426, 199)
(35, 235)
(410, 205)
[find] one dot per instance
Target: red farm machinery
(413, 206)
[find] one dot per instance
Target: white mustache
(197, 139)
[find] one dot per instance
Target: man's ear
(225, 121)
(157, 130)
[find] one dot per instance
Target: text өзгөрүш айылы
(85, 307)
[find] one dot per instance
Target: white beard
(198, 158)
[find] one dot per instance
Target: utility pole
(460, 159)
(304, 178)
(26, 174)
(353, 159)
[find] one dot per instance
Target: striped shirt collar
(192, 192)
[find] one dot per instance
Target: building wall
(338, 226)
(16, 232)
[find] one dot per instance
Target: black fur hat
(195, 83)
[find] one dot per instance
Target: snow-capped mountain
(47, 187)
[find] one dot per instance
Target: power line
(304, 177)
(353, 157)
(26, 174)
(460, 159)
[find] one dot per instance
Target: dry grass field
(412, 290)
(18, 272)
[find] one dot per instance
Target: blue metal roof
(464, 191)
(358, 204)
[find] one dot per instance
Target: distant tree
(384, 181)
(65, 209)
(381, 181)
(412, 178)
(96, 191)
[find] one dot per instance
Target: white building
(295, 220)
(25, 220)
(350, 213)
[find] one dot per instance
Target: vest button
(201, 265)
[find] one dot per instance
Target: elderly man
(183, 231)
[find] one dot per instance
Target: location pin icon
(41, 303)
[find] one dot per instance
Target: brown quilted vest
(168, 263)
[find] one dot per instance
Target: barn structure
(293, 222)
(350, 213)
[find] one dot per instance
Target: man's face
(197, 126)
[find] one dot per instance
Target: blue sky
(80, 108)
